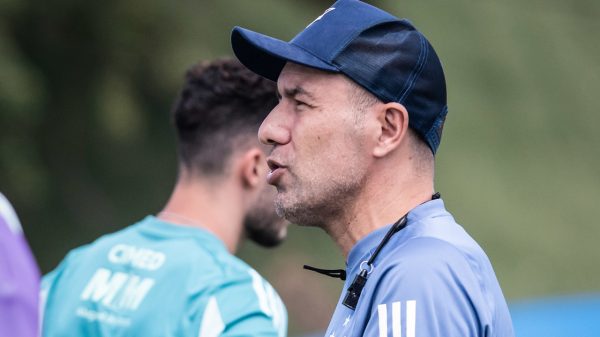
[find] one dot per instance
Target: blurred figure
(19, 278)
(174, 274)
(362, 108)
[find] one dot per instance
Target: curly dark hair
(221, 105)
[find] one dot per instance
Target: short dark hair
(221, 104)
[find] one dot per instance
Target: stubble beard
(318, 204)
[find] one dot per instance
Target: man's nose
(274, 130)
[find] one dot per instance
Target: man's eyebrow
(295, 91)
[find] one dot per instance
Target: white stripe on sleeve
(396, 316)
(382, 313)
(212, 324)
(411, 318)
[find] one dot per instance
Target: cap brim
(267, 56)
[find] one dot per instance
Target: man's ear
(393, 127)
(253, 167)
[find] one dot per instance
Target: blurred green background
(86, 147)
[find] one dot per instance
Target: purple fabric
(19, 285)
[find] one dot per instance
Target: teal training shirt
(159, 279)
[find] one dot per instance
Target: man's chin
(298, 215)
(283, 207)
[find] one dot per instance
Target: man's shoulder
(200, 257)
(130, 250)
(446, 275)
(185, 275)
(426, 253)
(440, 242)
(424, 266)
(431, 282)
(204, 264)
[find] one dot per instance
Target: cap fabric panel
(427, 100)
(338, 26)
(267, 56)
(381, 63)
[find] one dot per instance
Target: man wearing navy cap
(360, 118)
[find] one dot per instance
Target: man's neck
(206, 206)
(382, 202)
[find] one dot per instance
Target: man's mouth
(276, 171)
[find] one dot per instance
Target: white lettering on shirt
(119, 290)
(137, 257)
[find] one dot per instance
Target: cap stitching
(416, 72)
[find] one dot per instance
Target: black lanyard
(355, 289)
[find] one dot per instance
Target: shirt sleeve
(52, 277)
(431, 292)
(48, 282)
(247, 306)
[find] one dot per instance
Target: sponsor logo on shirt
(142, 258)
(121, 290)
(117, 290)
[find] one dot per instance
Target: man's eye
(300, 103)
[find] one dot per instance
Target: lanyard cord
(335, 273)
(353, 294)
(398, 226)
(341, 273)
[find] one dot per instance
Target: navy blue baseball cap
(385, 55)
